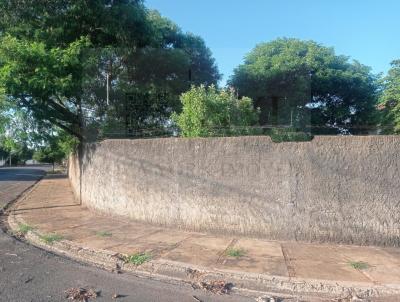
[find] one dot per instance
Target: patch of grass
(51, 238)
(236, 253)
(104, 234)
(359, 265)
(24, 228)
(138, 258)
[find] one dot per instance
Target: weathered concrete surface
(333, 189)
(29, 274)
(298, 268)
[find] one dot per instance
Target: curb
(162, 270)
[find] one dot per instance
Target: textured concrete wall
(333, 189)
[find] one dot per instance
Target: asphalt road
(31, 274)
(13, 181)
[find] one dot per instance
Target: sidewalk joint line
(146, 235)
(289, 266)
(174, 246)
(221, 256)
(365, 274)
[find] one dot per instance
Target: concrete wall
(333, 189)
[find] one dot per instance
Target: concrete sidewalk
(319, 268)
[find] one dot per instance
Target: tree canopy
(390, 100)
(304, 82)
(58, 23)
(47, 82)
(55, 58)
(56, 149)
(15, 133)
(103, 66)
(21, 134)
(145, 83)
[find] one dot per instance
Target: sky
(365, 30)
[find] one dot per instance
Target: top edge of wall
(316, 139)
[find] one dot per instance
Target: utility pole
(291, 117)
(108, 88)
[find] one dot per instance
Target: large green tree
(201, 64)
(47, 82)
(58, 23)
(42, 44)
(55, 57)
(390, 100)
(145, 83)
(303, 82)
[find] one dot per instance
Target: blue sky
(365, 30)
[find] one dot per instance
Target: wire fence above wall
(277, 132)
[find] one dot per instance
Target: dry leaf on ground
(217, 286)
(80, 294)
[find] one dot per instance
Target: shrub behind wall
(208, 111)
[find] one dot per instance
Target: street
(13, 181)
(31, 274)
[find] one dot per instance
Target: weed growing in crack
(104, 234)
(51, 238)
(235, 252)
(138, 258)
(359, 265)
(24, 228)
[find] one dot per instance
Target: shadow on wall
(334, 189)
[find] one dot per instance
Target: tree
(45, 82)
(18, 152)
(17, 133)
(59, 23)
(42, 45)
(21, 134)
(56, 58)
(303, 82)
(145, 83)
(208, 111)
(49, 155)
(56, 148)
(389, 103)
(201, 64)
